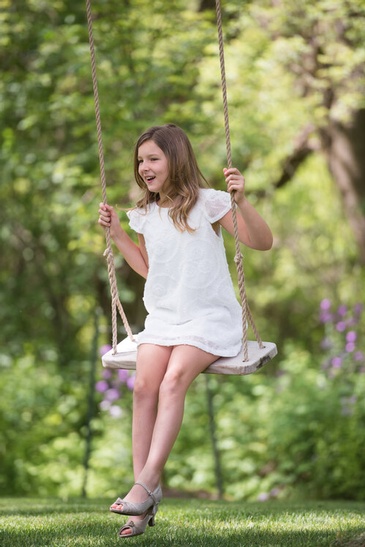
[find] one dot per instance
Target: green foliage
(319, 447)
(38, 408)
(292, 435)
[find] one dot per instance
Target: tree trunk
(344, 146)
(345, 149)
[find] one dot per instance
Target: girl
(193, 314)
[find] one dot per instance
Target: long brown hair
(185, 177)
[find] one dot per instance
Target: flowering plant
(341, 340)
(342, 343)
(113, 386)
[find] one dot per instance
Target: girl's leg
(151, 367)
(185, 364)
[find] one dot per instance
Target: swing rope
(246, 312)
(108, 253)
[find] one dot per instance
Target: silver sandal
(135, 509)
(139, 527)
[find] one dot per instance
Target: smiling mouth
(149, 179)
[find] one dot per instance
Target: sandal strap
(130, 524)
(147, 490)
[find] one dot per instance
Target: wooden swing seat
(125, 358)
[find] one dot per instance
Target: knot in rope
(238, 258)
(106, 253)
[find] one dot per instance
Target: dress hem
(217, 352)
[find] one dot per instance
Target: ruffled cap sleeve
(217, 203)
(137, 219)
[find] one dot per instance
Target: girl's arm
(252, 229)
(135, 255)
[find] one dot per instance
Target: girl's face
(153, 167)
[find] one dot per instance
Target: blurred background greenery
(295, 75)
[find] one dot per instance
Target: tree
(322, 45)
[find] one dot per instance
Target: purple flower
(112, 394)
(336, 362)
(101, 386)
(130, 382)
(342, 310)
(123, 376)
(107, 374)
(350, 347)
(325, 305)
(325, 317)
(359, 356)
(341, 326)
(351, 336)
(104, 349)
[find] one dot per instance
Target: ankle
(151, 485)
(150, 480)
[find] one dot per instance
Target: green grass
(44, 523)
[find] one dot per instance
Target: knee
(144, 390)
(171, 386)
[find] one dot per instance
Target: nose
(143, 166)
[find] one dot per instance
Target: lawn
(183, 523)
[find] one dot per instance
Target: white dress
(189, 295)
